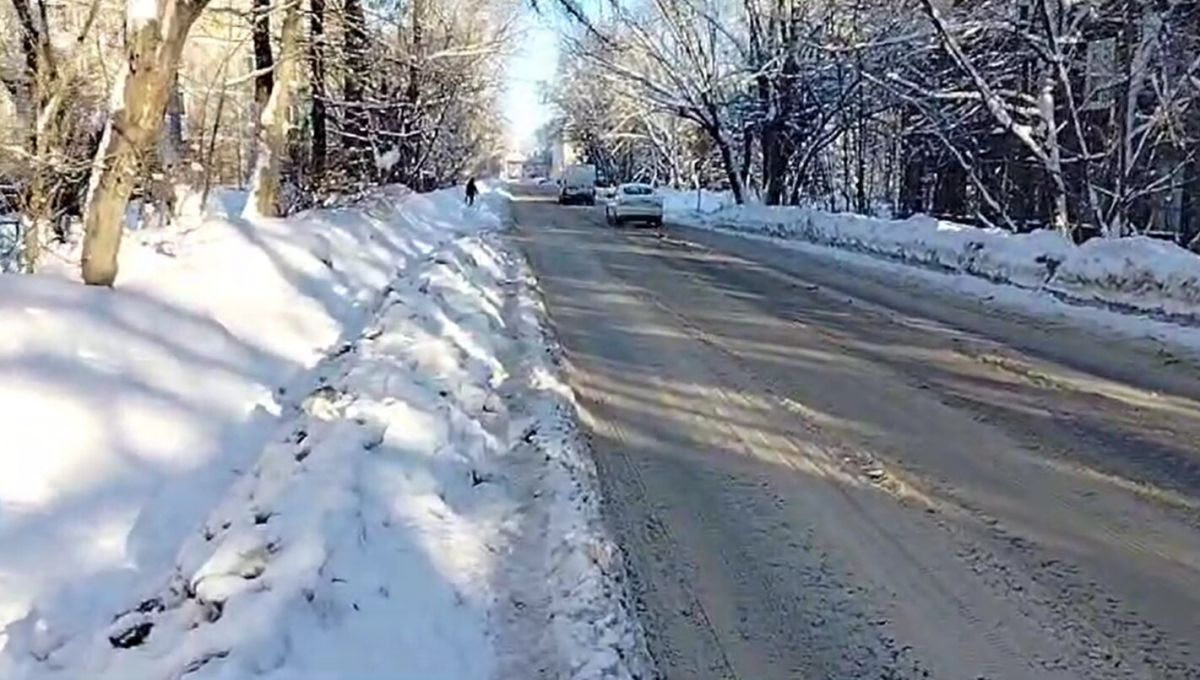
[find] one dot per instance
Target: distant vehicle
(604, 187)
(635, 203)
(10, 228)
(578, 185)
(10, 198)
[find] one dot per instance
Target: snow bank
(124, 412)
(571, 600)
(1140, 274)
(1136, 272)
(413, 503)
(703, 202)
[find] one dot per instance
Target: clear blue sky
(532, 65)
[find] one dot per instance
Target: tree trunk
(912, 171)
(174, 136)
(731, 170)
(266, 187)
(774, 163)
(32, 37)
(135, 119)
(34, 223)
(209, 156)
(863, 206)
(264, 76)
(41, 78)
(747, 158)
(1046, 107)
(174, 155)
(776, 96)
(412, 96)
(263, 61)
(354, 123)
(316, 48)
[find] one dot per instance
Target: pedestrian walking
(472, 191)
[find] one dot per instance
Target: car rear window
(637, 190)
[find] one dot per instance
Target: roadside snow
(1138, 274)
(1171, 338)
(703, 202)
(329, 446)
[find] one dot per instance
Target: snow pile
(569, 606)
(1136, 273)
(703, 201)
(214, 469)
(387, 160)
(423, 511)
(1131, 272)
(124, 411)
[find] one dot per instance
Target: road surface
(819, 472)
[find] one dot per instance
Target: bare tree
(266, 185)
(264, 78)
(676, 59)
(154, 40)
(1095, 94)
(49, 83)
(317, 116)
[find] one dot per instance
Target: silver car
(635, 203)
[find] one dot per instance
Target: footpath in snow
(1138, 275)
(329, 446)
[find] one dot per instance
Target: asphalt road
(818, 471)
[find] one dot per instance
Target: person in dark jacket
(472, 191)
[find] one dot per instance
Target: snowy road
(826, 472)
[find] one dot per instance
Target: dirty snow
(1138, 274)
(334, 445)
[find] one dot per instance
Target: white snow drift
(328, 446)
(1139, 273)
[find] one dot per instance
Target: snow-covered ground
(1137, 274)
(334, 445)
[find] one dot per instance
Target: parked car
(635, 203)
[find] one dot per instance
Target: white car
(635, 203)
